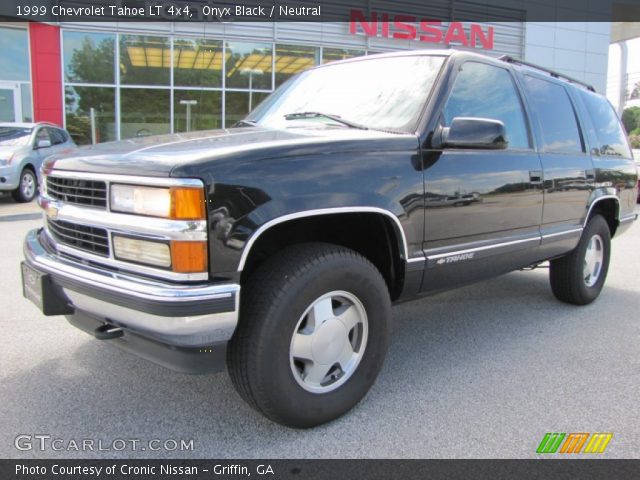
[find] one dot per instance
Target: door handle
(535, 177)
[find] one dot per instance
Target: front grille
(81, 192)
(90, 239)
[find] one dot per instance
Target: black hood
(163, 155)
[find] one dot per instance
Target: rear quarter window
(555, 115)
(612, 140)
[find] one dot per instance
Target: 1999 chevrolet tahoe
(281, 244)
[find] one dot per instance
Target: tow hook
(107, 332)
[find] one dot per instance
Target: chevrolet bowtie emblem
(52, 212)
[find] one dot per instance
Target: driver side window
(42, 134)
(485, 91)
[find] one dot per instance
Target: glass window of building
(257, 98)
(292, 59)
(88, 57)
(334, 54)
(145, 60)
(14, 61)
(79, 102)
(144, 112)
(8, 107)
(27, 106)
(249, 65)
(15, 98)
(196, 110)
(239, 104)
(236, 107)
(197, 62)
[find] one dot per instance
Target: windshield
(378, 93)
(14, 136)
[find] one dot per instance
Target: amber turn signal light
(187, 203)
(188, 257)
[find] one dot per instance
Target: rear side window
(485, 91)
(57, 137)
(557, 120)
(43, 134)
(611, 138)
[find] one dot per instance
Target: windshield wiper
(335, 118)
(244, 123)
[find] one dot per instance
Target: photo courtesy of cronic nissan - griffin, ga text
(278, 246)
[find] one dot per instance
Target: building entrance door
(10, 105)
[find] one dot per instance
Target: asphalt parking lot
(481, 372)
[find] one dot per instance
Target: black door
(482, 207)
(568, 170)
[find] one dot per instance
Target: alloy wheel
(328, 342)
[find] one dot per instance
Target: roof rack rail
(553, 73)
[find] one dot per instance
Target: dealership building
(108, 81)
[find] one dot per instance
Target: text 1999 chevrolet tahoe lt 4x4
(280, 244)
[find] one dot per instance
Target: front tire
(578, 278)
(28, 187)
(313, 334)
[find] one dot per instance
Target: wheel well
(29, 166)
(370, 234)
(608, 208)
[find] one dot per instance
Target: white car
(23, 147)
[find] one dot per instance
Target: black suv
(281, 244)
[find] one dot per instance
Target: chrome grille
(89, 239)
(81, 192)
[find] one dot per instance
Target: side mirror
(472, 132)
(43, 144)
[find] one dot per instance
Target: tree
(92, 62)
(635, 93)
(631, 119)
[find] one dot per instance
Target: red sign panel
(408, 27)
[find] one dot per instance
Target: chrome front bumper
(191, 316)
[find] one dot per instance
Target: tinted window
(485, 91)
(57, 137)
(557, 120)
(43, 134)
(611, 138)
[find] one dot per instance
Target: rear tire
(579, 277)
(309, 308)
(28, 187)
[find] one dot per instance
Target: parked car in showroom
(23, 147)
(280, 246)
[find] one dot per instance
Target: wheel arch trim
(327, 211)
(598, 200)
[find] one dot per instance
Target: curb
(19, 217)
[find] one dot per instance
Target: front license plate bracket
(43, 292)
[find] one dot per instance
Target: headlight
(179, 203)
(7, 161)
(182, 257)
(142, 251)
